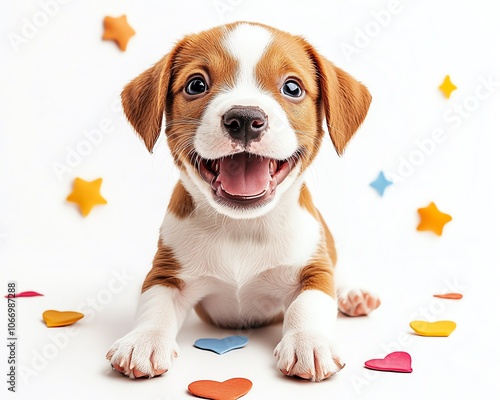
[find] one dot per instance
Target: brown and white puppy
(241, 241)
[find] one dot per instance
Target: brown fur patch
(305, 201)
(318, 274)
(181, 203)
(201, 54)
(164, 271)
(330, 243)
(283, 59)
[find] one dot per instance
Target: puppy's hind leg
(353, 300)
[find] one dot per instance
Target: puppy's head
(244, 106)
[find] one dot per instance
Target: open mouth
(244, 179)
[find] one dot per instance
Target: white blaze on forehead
(247, 44)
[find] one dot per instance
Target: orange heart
(438, 328)
(228, 390)
(55, 318)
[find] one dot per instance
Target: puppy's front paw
(143, 353)
(308, 355)
(357, 302)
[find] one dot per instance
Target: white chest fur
(242, 270)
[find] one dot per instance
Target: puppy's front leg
(148, 350)
(307, 349)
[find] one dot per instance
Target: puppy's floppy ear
(144, 100)
(345, 101)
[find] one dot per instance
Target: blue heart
(221, 346)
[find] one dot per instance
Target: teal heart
(221, 346)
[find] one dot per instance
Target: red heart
(228, 390)
(399, 361)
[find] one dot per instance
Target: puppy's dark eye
(291, 88)
(196, 86)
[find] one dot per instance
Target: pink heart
(24, 294)
(399, 361)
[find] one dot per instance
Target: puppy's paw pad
(142, 353)
(357, 302)
(307, 355)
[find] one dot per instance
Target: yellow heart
(55, 318)
(438, 328)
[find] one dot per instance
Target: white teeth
(273, 166)
(216, 166)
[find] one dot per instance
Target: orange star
(431, 219)
(86, 195)
(447, 87)
(119, 30)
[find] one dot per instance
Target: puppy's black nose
(245, 123)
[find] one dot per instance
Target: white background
(64, 80)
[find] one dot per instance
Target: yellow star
(431, 219)
(119, 30)
(447, 87)
(86, 195)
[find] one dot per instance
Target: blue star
(381, 183)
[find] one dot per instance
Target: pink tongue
(244, 175)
